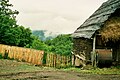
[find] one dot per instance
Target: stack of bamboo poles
(22, 54)
(55, 60)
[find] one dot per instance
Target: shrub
(1, 56)
(5, 55)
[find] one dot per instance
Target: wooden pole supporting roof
(93, 55)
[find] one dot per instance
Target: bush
(1, 56)
(44, 58)
(5, 55)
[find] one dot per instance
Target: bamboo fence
(35, 56)
(59, 61)
(22, 54)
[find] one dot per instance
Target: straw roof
(111, 30)
(97, 19)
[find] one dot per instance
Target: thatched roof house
(104, 24)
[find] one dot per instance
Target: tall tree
(7, 18)
(10, 32)
(18, 36)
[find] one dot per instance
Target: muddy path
(56, 75)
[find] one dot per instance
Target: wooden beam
(94, 41)
(94, 53)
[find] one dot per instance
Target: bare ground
(42, 74)
(56, 75)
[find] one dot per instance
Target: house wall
(86, 46)
(83, 45)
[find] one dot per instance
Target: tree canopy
(62, 44)
(10, 32)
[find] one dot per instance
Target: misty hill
(44, 34)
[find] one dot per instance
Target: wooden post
(93, 53)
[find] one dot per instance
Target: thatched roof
(111, 29)
(97, 19)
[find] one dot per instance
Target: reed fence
(22, 54)
(59, 61)
(35, 56)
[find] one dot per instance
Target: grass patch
(1, 56)
(12, 66)
(112, 70)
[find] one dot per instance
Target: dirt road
(56, 75)
(13, 70)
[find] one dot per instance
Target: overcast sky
(63, 16)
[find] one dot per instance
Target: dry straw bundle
(111, 30)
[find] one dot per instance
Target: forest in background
(16, 35)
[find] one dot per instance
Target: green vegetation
(38, 44)
(1, 56)
(12, 66)
(10, 32)
(15, 35)
(62, 44)
(112, 70)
